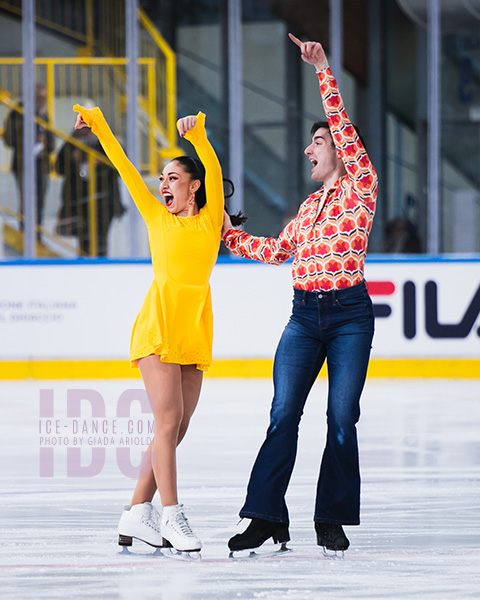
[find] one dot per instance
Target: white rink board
(82, 311)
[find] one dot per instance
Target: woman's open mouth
(168, 198)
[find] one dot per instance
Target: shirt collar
(319, 193)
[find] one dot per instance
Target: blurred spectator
(73, 217)
(44, 144)
(401, 237)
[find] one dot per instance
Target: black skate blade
(256, 554)
(333, 554)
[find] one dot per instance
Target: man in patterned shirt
(332, 320)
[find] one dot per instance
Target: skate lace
(150, 517)
(181, 523)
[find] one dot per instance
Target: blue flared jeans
(336, 326)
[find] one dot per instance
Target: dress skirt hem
(164, 357)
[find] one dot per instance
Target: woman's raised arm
(146, 202)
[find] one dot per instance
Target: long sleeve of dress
(146, 202)
(213, 178)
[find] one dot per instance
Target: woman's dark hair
(239, 218)
(196, 170)
(325, 125)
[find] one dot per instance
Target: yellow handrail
(74, 60)
(92, 156)
(17, 10)
(62, 135)
(161, 120)
(102, 78)
(147, 104)
(170, 67)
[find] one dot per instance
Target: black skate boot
(331, 537)
(257, 533)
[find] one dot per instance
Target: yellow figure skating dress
(175, 321)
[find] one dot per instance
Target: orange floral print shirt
(329, 250)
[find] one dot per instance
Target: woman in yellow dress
(172, 336)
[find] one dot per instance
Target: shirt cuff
(228, 232)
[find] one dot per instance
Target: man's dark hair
(324, 125)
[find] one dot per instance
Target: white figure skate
(176, 531)
(140, 521)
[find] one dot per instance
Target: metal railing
(92, 158)
(161, 76)
(96, 29)
(99, 79)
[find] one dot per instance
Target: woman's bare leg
(163, 383)
(146, 484)
(191, 383)
(191, 386)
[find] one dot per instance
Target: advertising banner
(85, 311)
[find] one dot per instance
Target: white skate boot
(176, 531)
(140, 521)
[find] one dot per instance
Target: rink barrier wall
(72, 319)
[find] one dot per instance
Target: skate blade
(188, 555)
(127, 552)
(126, 542)
(258, 554)
(333, 554)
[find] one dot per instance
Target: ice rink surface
(420, 530)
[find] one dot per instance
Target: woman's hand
(185, 124)
(80, 123)
(227, 223)
(312, 53)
